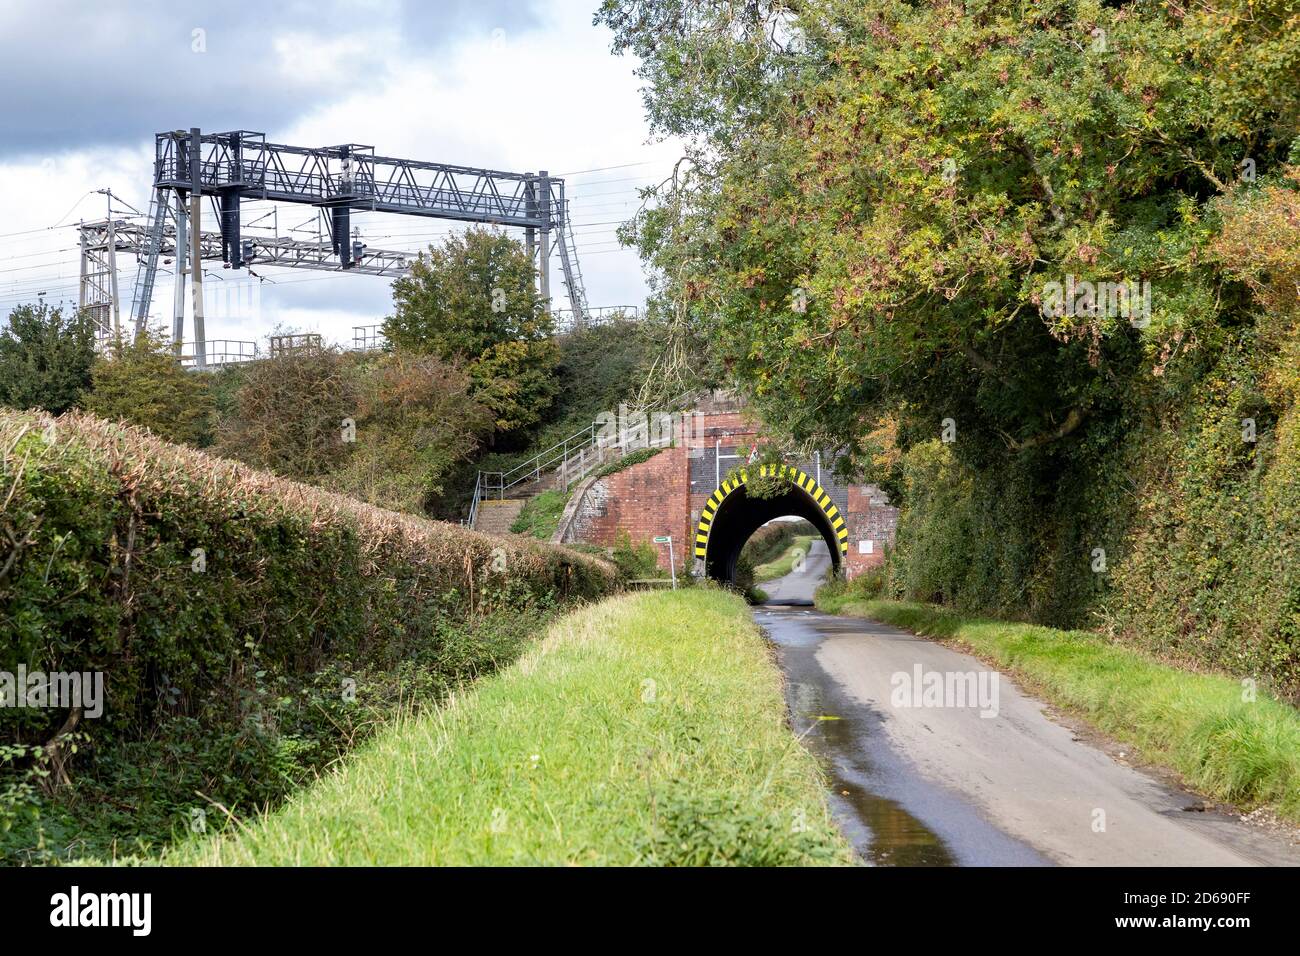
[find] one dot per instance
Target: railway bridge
(700, 490)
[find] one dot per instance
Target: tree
(142, 383)
(880, 208)
(416, 420)
(878, 197)
(45, 358)
(471, 301)
(291, 411)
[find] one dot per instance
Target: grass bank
(541, 514)
(1226, 742)
(783, 563)
(647, 729)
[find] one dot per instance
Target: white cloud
(548, 96)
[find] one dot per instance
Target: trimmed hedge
(101, 527)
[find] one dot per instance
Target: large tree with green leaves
(472, 301)
(45, 358)
(877, 194)
(878, 206)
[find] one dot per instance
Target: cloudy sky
(504, 84)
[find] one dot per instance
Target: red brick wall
(645, 500)
(869, 519)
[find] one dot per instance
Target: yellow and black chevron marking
(803, 481)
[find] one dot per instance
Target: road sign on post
(672, 563)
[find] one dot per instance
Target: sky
(504, 84)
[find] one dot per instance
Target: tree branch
(1073, 419)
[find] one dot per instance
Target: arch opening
(732, 515)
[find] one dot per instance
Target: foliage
(648, 729)
(877, 237)
(415, 420)
(602, 367)
(45, 358)
(744, 579)
(627, 461)
(1209, 572)
(763, 469)
(784, 561)
(141, 383)
(472, 301)
(876, 200)
(635, 561)
(838, 592)
(774, 539)
(213, 597)
(290, 413)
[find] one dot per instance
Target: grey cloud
(76, 75)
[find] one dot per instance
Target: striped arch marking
(800, 479)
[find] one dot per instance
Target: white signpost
(672, 564)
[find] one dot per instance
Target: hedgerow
(248, 627)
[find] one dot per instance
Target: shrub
(635, 561)
(771, 540)
(289, 413)
(415, 421)
(140, 382)
(222, 604)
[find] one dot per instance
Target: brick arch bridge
(698, 491)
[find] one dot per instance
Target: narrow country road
(798, 586)
(940, 784)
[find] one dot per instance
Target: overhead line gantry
(240, 165)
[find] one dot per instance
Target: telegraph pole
(178, 293)
(544, 275)
(196, 247)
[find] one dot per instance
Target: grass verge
(783, 563)
(1204, 726)
(647, 729)
(541, 514)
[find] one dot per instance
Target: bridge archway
(732, 515)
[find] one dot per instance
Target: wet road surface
(797, 587)
(918, 781)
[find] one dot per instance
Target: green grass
(541, 514)
(783, 563)
(1224, 746)
(647, 729)
(627, 461)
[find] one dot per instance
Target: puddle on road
(832, 728)
(880, 829)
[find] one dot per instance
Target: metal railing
(497, 483)
(575, 457)
(368, 338)
(296, 342)
(221, 352)
(600, 315)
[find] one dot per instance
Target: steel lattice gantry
(233, 166)
(101, 241)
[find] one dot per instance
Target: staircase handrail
(589, 443)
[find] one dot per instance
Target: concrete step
(496, 516)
